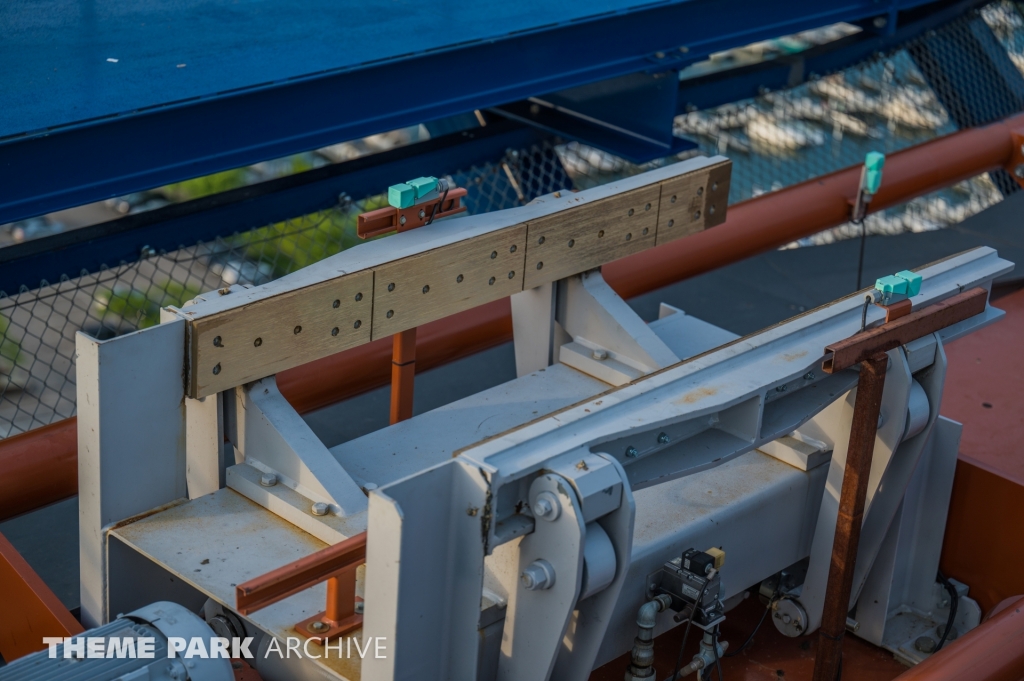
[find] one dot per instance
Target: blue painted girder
(205, 85)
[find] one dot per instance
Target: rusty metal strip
(851, 516)
(304, 573)
(858, 348)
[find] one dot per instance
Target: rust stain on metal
(793, 356)
(146, 514)
(695, 395)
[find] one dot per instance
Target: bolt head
(268, 479)
(320, 508)
(318, 626)
(925, 644)
(599, 354)
(663, 439)
(809, 376)
(631, 452)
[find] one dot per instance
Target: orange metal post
(403, 374)
(28, 609)
(992, 652)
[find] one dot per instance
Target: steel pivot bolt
(538, 575)
(546, 506)
(320, 508)
(268, 479)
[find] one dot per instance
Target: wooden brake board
(380, 288)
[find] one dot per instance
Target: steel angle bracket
(424, 577)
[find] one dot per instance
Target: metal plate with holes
(441, 282)
(236, 347)
(567, 243)
(682, 206)
(716, 196)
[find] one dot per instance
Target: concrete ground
(741, 298)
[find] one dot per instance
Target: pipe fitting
(641, 659)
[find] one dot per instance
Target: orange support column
(30, 610)
(403, 374)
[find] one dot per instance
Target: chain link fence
(775, 140)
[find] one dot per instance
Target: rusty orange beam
(992, 652)
(754, 226)
(28, 609)
(38, 467)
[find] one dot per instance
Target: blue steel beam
(171, 227)
(745, 82)
(276, 77)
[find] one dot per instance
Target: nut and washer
(320, 508)
(538, 575)
(268, 479)
(546, 506)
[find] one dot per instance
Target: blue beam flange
(257, 98)
(630, 116)
(171, 227)
(746, 82)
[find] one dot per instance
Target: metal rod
(297, 576)
(403, 374)
(851, 516)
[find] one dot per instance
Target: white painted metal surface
(131, 441)
(453, 521)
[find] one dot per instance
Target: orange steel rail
(754, 226)
(300, 575)
(992, 652)
(28, 609)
